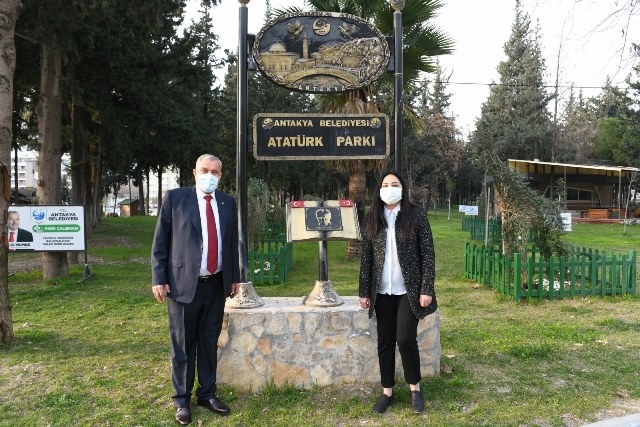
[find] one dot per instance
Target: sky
(590, 46)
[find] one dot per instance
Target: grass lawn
(97, 353)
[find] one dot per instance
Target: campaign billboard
(46, 228)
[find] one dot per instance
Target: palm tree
(422, 41)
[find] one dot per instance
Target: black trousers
(195, 328)
(397, 324)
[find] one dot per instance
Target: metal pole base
(246, 298)
(85, 274)
(323, 295)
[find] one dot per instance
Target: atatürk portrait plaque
(325, 220)
(321, 218)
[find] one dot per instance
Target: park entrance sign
(321, 52)
(320, 136)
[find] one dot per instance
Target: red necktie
(212, 231)
(11, 239)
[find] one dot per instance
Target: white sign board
(566, 221)
(468, 210)
(46, 228)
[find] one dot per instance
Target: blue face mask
(207, 182)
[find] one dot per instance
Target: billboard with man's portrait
(46, 228)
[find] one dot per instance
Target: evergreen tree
(612, 113)
(134, 94)
(434, 150)
(515, 123)
(632, 134)
(515, 115)
(607, 144)
(576, 128)
(9, 11)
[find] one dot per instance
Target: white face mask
(207, 182)
(391, 195)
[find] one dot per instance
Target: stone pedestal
(285, 341)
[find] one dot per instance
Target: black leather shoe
(417, 402)
(214, 405)
(383, 402)
(183, 416)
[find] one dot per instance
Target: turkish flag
(297, 204)
(344, 203)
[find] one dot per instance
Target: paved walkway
(632, 420)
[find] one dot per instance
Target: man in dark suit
(195, 263)
(17, 234)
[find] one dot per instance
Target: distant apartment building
(27, 169)
(27, 172)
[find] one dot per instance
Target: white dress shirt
(391, 282)
(202, 206)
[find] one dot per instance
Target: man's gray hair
(208, 157)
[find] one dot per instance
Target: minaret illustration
(305, 47)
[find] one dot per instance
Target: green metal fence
(476, 228)
(271, 262)
(584, 272)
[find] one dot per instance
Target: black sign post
(247, 296)
(398, 5)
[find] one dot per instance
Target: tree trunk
(92, 190)
(49, 110)
(147, 173)
(95, 208)
(159, 204)
(9, 10)
(140, 177)
(115, 199)
(77, 165)
(357, 193)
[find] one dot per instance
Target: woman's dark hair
(375, 219)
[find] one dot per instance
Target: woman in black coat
(397, 273)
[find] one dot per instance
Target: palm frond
(417, 12)
(412, 116)
(430, 40)
(285, 11)
(325, 5)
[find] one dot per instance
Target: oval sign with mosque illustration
(321, 52)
